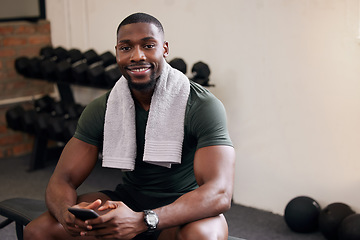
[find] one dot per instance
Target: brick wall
(19, 39)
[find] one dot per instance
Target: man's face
(140, 52)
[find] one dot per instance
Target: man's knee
(40, 227)
(33, 231)
(206, 229)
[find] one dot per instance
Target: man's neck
(143, 97)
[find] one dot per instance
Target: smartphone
(83, 214)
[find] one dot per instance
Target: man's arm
(214, 172)
(75, 164)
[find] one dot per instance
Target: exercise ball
(331, 217)
(350, 228)
(302, 214)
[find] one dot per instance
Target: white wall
(287, 71)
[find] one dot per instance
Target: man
(177, 201)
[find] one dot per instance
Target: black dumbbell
(41, 122)
(63, 68)
(179, 64)
(28, 120)
(201, 73)
(61, 127)
(31, 67)
(21, 65)
(112, 75)
(73, 111)
(44, 104)
(96, 71)
(13, 117)
(79, 69)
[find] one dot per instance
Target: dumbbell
(44, 104)
(63, 68)
(33, 67)
(201, 73)
(59, 127)
(179, 64)
(96, 71)
(30, 117)
(30, 67)
(13, 117)
(79, 68)
(28, 120)
(112, 75)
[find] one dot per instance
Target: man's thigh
(208, 228)
(47, 227)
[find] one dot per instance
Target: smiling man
(168, 134)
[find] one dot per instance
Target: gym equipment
(21, 64)
(96, 71)
(79, 69)
(32, 67)
(48, 65)
(331, 217)
(24, 210)
(13, 117)
(28, 121)
(63, 68)
(62, 124)
(201, 73)
(44, 104)
(112, 74)
(350, 228)
(179, 64)
(301, 214)
(49, 59)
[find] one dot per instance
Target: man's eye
(149, 45)
(125, 48)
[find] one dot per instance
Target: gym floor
(244, 222)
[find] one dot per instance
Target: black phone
(83, 214)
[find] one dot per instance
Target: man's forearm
(59, 196)
(206, 201)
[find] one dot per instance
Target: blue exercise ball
(302, 214)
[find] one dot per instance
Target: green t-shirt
(205, 125)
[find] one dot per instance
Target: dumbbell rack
(66, 68)
(40, 149)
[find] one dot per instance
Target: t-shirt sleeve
(209, 122)
(90, 127)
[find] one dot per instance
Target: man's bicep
(76, 162)
(215, 164)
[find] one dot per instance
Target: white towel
(165, 126)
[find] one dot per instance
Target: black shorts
(138, 202)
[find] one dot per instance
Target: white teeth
(139, 69)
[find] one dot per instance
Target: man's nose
(137, 54)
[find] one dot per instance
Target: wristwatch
(151, 220)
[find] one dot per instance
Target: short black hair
(140, 18)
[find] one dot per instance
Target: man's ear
(166, 49)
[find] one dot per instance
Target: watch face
(152, 219)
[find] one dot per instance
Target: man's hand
(73, 225)
(119, 223)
